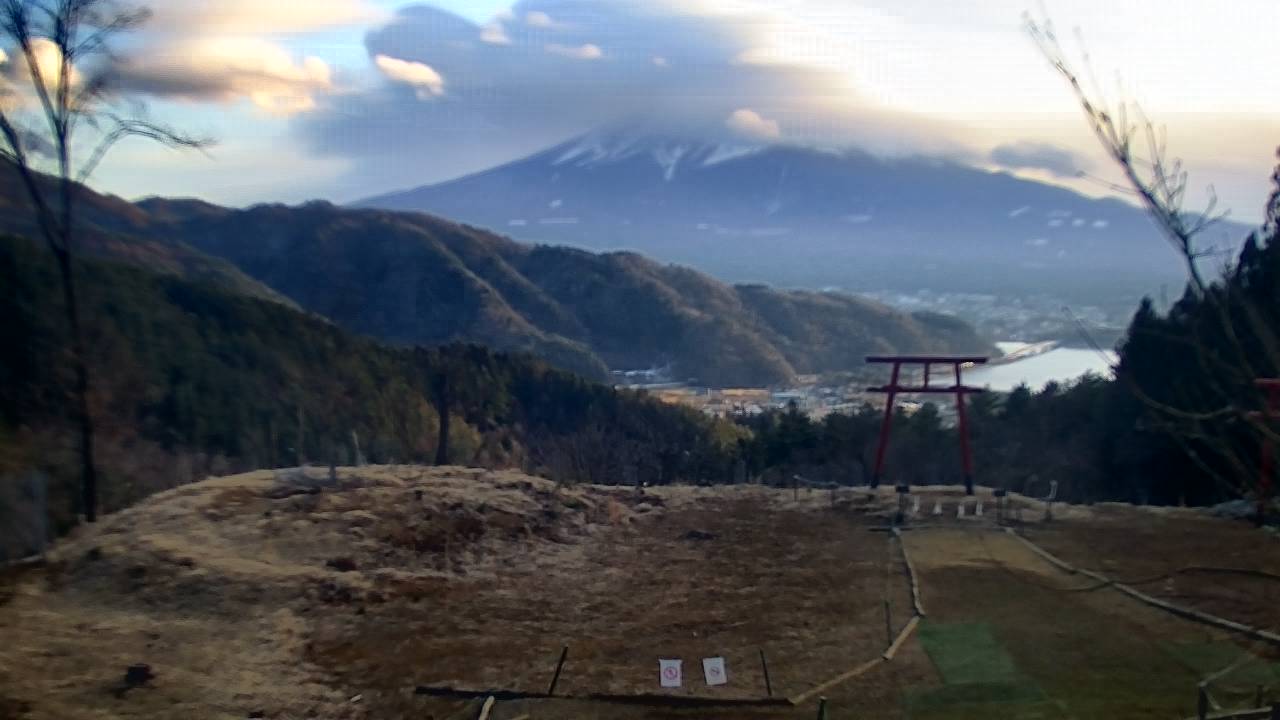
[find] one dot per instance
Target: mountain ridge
(414, 279)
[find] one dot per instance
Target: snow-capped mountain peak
(668, 152)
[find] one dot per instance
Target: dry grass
(299, 597)
(1130, 545)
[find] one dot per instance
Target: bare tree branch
(1220, 316)
(123, 128)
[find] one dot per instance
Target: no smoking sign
(670, 674)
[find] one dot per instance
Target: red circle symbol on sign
(670, 672)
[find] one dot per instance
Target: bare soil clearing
(290, 595)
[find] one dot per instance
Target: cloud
(1039, 156)
(520, 95)
(228, 70)
(586, 51)
(423, 77)
(229, 51)
(751, 124)
(16, 89)
(494, 34)
(539, 20)
(259, 17)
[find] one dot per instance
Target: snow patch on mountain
(724, 153)
(669, 159)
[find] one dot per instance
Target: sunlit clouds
(261, 17)
(423, 78)
(379, 84)
(48, 63)
(748, 123)
(224, 70)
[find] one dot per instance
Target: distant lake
(1058, 365)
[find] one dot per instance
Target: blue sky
(341, 99)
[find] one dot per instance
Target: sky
(343, 99)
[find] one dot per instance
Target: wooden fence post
(564, 652)
(764, 665)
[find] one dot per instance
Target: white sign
(670, 673)
(713, 668)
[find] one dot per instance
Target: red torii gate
(893, 389)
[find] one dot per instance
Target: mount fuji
(804, 217)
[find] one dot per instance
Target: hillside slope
(114, 229)
(413, 279)
(188, 379)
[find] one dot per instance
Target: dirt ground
(292, 595)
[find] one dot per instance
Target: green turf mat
(982, 680)
(948, 695)
(968, 653)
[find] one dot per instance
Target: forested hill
(413, 279)
(189, 380)
(110, 227)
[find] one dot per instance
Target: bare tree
(1237, 344)
(63, 65)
